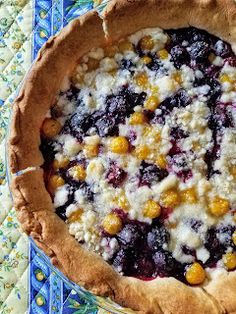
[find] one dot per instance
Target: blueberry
(213, 245)
(126, 64)
(73, 93)
(223, 49)
(121, 105)
(106, 126)
(215, 88)
(231, 61)
(129, 235)
(179, 162)
(150, 173)
(188, 251)
(157, 237)
(220, 118)
(87, 191)
(195, 224)
(115, 175)
(199, 51)
(224, 234)
(144, 266)
(177, 133)
(157, 66)
(122, 260)
(166, 265)
(180, 56)
(48, 151)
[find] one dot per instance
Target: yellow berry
(137, 118)
(154, 89)
(195, 274)
(151, 209)
(170, 199)
(51, 127)
(211, 57)
(55, 181)
(78, 172)
(125, 45)
(218, 206)
(142, 152)
(229, 260)
(163, 54)
(122, 202)
(119, 145)
(141, 80)
(161, 161)
(234, 237)
(188, 196)
(177, 77)
(152, 103)
(233, 171)
(92, 64)
(146, 60)
(76, 216)
(146, 43)
(112, 223)
(224, 78)
(62, 163)
(91, 150)
(110, 51)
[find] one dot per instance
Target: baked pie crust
(33, 203)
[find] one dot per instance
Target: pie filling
(140, 154)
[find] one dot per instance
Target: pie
(122, 149)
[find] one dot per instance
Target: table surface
(27, 283)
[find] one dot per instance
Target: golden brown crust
(32, 201)
(55, 60)
(216, 16)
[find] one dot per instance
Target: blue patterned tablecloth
(27, 283)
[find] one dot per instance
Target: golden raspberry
(229, 260)
(62, 163)
(91, 150)
(146, 43)
(78, 172)
(119, 145)
(152, 103)
(141, 80)
(188, 196)
(170, 199)
(151, 209)
(137, 118)
(112, 223)
(55, 181)
(92, 64)
(110, 51)
(225, 78)
(219, 206)
(76, 216)
(163, 54)
(142, 152)
(51, 127)
(146, 60)
(195, 274)
(125, 45)
(234, 237)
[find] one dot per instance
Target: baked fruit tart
(122, 149)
